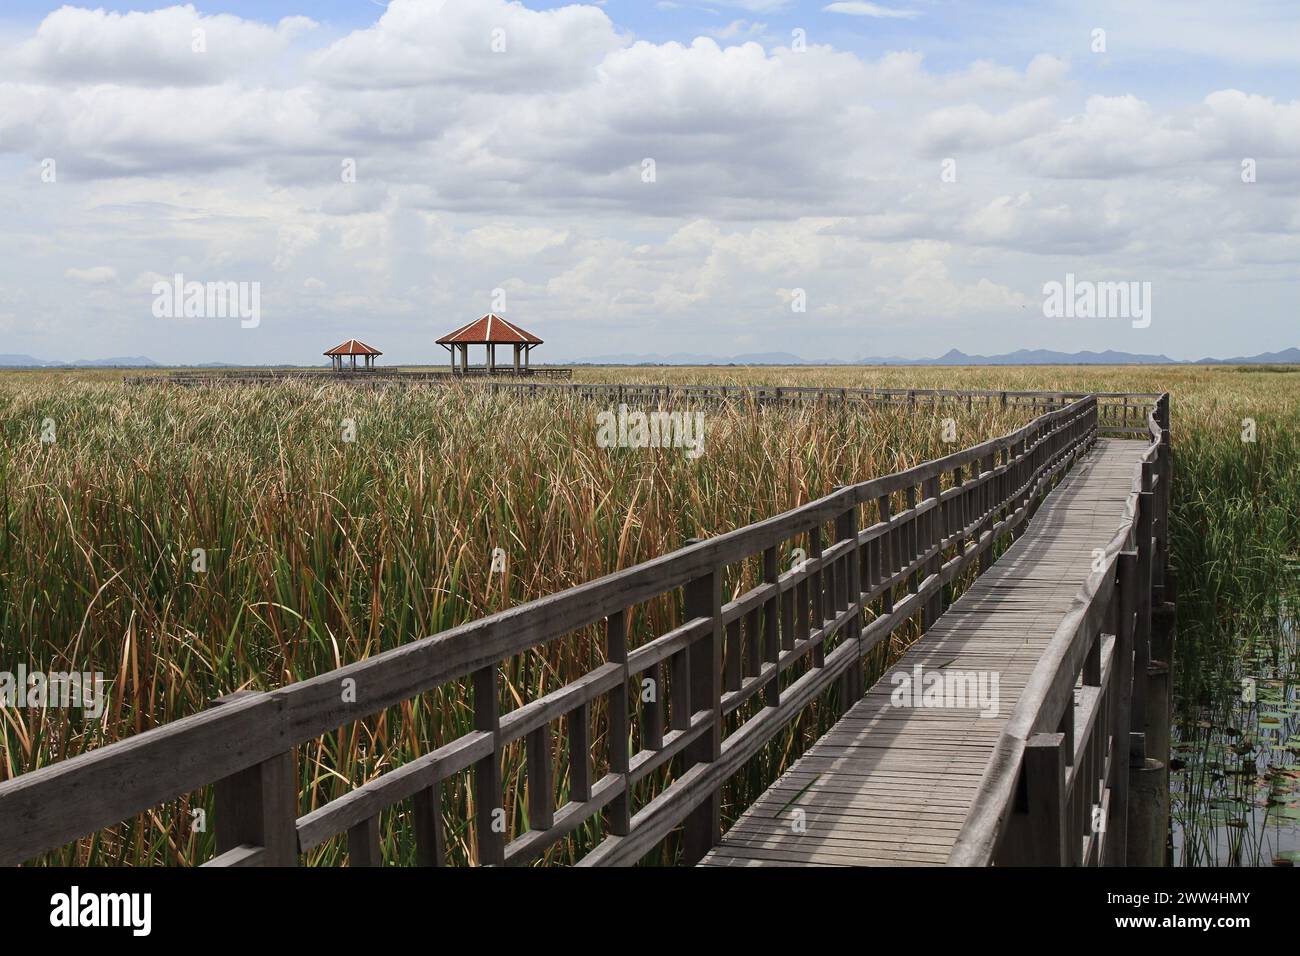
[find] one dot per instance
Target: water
(1235, 766)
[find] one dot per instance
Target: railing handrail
(52, 805)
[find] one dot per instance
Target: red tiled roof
(353, 347)
(490, 330)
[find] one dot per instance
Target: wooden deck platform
(892, 785)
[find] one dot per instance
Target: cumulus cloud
(488, 44)
(1117, 136)
(175, 46)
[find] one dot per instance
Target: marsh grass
(322, 551)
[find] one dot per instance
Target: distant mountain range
(126, 361)
(689, 358)
(952, 357)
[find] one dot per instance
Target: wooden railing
(1057, 790)
(1120, 413)
(878, 554)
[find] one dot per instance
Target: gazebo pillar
(516, 359)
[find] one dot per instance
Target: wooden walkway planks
(892, 785)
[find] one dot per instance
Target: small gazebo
(491, 330)
(353, 348)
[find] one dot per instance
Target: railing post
(430, 847)
(817, 595)
(1005, 483)
(961, 505)
(1040, 837)
(489, 815)
(363, 844)
(885, 554)
(911, 532)
(988, 511)
(579, 728)
(259, 806)
(1015, 473)
(846, 529)
(772, 628)
(620, 815)
(935, 531)
(540, 771)
(703, 598)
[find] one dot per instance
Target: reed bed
(321, 551)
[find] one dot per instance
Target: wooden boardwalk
(893, 785)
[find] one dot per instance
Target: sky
(829, 179)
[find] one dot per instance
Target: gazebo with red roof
(353, 348)
(491, 330)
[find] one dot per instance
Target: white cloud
(1118, 136)
(758, 6)
(971, 127)
(487, 44)
(173, 46)
(855, 8)
(522, 170)
(738, 28)
(95, 275)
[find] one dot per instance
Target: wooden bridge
(1035, 563)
